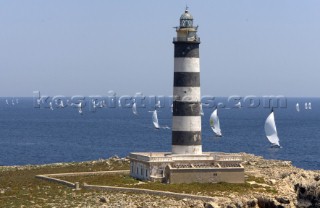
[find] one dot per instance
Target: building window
(141, 172)
(146, 173)
(137, 171)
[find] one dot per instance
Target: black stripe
(186, 49)
(186, 79)
(181, 108)
(186, 137)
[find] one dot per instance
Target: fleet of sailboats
(271, 131)
(269, 126)
(307, 106)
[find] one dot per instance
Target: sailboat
(158, 104)
(201, 111)
(238, 105)
(79, 106)
(60, 104)
(50, 104)
(155, 119)
(215, 124)
(271, 131)
(306, 106)
(298, 107)
(134, 108)
(309, 106)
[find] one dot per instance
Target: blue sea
(31, 135)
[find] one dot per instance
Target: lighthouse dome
(186, 15)
(186, 19)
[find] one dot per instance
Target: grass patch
(19, 187)
(209, 189)
(256, 179)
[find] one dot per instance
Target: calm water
(35, 136)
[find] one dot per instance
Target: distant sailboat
(298, 107)
(94, 105)
(155, 119)
(158, 105)
(201, 111)
(238, 105)
(79, 106)
(271, 130)
(119, 102)
(309, 106)
(134, 108)
(7, 102)
(172, 108)
(51, 107)
(60, 104)
(306, 106)
(215, 123)
(102, 104)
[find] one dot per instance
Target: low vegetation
(20, 188)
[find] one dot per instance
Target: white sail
(215, 123)
(201, 111)
(271, 130)
(158, 104)
(309, 106)
(155, 119)
(298, 107)
(238, 105)
(50, 104)
(80, 108)
(306, 106)
(134, 109)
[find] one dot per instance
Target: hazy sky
(90, 47)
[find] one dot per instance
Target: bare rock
(103, 199)
(211, 205)
(252, 202)
(283, 200)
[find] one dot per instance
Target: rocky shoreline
(291, 187)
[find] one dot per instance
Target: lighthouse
(186, 163)
(186, 120)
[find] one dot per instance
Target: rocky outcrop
(276, 184)
(294, 187)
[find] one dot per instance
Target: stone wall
(199, 175)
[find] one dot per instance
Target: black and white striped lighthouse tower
(186, 122)
(187, 163)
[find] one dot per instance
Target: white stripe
(186, 123)
(191, 94)
(182, 149)
(186, 64)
